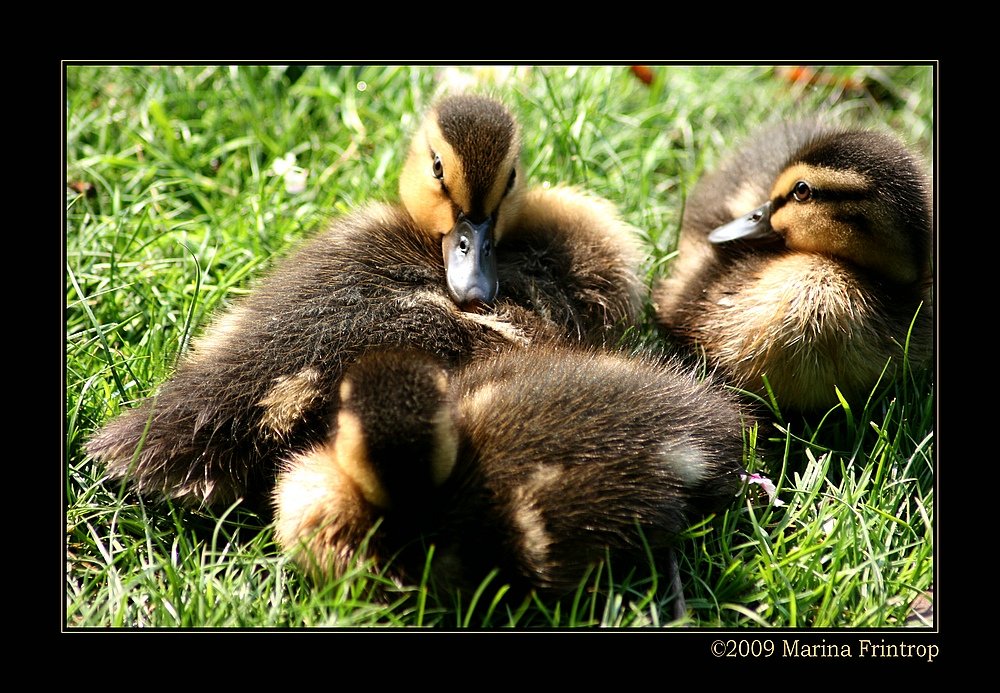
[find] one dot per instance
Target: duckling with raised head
(561, 252)
(469, 264)
(804, 259)
(538, 463)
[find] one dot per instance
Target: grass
(174, 204)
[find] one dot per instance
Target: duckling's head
(461, 181)
(395, 436)
(856, 195)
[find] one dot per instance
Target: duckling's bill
(755, 225)
(470, 263)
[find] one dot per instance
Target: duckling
(538, 463)
(470, 263)
(561, 252)
(805, 258)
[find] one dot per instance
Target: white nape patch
(686, 460)
(748, 198)
(286, 402)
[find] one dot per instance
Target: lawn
(185, 182)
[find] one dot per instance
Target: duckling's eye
(438, 167)
(510, 181)
(802, 191)
(463, 244)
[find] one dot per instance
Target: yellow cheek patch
(810, 228)
(351, 453)
(420, 191)
(422, 195)
(308, 485)
(445, 436)
(454, 173)
(445, 446)
(319, 513)
(824, 225)
(813, 226)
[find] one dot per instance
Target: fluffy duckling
(560, 252)
(469, 264)
(539, 463)
(804, 259)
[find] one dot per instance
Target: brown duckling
(804, 259)
(538, 463)
(259, 382)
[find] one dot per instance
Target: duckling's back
(568, 457)
(261, 379)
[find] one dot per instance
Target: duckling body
(805, 258)
(259, 383)
(538, 463)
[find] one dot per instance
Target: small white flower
(294, 176)
(767, 485)
(283, 165)
(295, 180)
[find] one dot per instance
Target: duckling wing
(572, 259)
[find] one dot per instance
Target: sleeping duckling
(259, 382)
(538, 463)
(816, 288)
